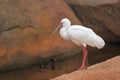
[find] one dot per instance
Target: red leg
(83, 66)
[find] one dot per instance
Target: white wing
(86, 36)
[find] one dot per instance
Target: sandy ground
(108, 70)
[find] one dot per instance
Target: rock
(108, 70)
(101, 16)
(25, 28)
(91, 2)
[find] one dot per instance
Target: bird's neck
(63, 33)
(66, 26)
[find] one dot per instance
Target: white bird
(81, 36)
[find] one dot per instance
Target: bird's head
(65, 22)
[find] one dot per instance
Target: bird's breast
(64, 34)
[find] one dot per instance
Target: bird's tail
(100, 42)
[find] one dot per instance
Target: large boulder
(91, 2)
(108, 70)
(102, 16)
(25, 28)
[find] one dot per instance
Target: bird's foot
(83, 68)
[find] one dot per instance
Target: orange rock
(25, 31)
(108, 70)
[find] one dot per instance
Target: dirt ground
(108, 70)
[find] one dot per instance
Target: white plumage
(80, 35)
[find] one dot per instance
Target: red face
(60, 24)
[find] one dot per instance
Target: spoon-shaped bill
(56, 30)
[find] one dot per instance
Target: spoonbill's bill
(81, 36)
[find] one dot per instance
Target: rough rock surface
(25, 28)
(108, 70)
(91, 2)
(102, 16)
